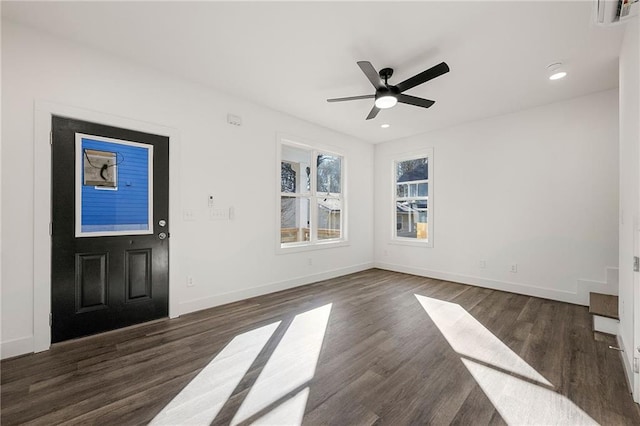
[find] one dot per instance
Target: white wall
(629, 191)
(228, 260)
(538, 188)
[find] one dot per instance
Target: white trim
(302, 247)
(234, 296)
(608, 286)
(606, 325)
(16, 347)
(394, 239)
(400, 241)
(628, 368)
(43, 112)
(523, 289)
(78, 197)
(313, 243)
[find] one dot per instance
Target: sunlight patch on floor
(201, 400)
(289, 412)
(292, 364)
(522, 402)
(500, 372)
(470, 338)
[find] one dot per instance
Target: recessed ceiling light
(557, 75)
(384, 126)
(556, 71)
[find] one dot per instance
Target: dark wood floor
(384, 359)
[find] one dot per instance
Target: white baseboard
(627, 364)
(606, 325)
(16, 347)
(222, 299)
(528, 290)
(609, 286)
(24, 345)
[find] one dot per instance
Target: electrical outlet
(482, 264)
(636, 368)
(309, 261)
(188, 215)
(218, 214)
(190, 281)
(514, 267)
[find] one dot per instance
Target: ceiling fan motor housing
(387, 91)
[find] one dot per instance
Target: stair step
(604, 305)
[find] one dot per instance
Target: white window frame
(314, 243)
(78, 189)
(428, 154)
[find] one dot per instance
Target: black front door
(110, 253)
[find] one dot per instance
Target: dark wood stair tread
(604, 305)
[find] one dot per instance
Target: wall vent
(612, 12)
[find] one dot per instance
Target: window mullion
(313, 217)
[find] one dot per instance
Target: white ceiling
(292, 56)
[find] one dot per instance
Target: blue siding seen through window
(127, 207)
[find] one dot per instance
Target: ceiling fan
(387, 95)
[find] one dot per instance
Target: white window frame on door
(78, 190)
(314, 243)
(394, 239)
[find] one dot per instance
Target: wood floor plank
(476, 409)
(385, 358)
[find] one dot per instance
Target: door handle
(162, 235)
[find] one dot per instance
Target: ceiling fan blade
(371, 74)
(424, 76)
(351, 98)
(374, 111)
(412, 100)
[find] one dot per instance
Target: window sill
(310, 247)
(423, 244)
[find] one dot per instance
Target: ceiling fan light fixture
(386, 101)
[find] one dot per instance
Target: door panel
(110, 194)
(138, 274)
(91, 282)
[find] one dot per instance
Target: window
(412, 201)
(311, 196)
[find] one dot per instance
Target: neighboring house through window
(312, 201)
(413, 199)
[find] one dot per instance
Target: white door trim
(43, 112)
(635, 342)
